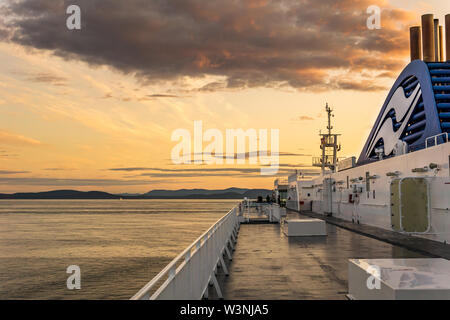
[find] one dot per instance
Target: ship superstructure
(401, 181)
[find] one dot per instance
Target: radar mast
(329, 146)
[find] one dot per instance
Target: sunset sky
(95, 109)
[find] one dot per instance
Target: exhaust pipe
(429, 53)
(415, 43)
(441, 44)
(436, 40)
(447, 35)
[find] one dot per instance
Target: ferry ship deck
(388, 209)
(269, 265)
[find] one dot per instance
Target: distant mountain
(61, 194)
(190, 192)
(230, 193)
(129, 194)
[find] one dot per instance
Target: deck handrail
(435, 138)
(189, 274)
(274, 212)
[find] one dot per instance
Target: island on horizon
(230, 193)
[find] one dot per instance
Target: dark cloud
(244, 173)
(248, 174)
(4, 154)
(251, 43)
(245, 156)
(200, 174)
(132, 169)
(159, 95)
(365, 85)
(12, 172)
(283, 169)
(144, 98)
(200, 170)
(293, 154)
(290, 165)
(254, 154)
(48, 78)
(37, 181)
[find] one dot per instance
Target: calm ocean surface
(119, 245)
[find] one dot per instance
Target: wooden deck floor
(268, 265)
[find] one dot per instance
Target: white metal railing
(274, 212)
(246, 210)
(444, 135)
(188, 275)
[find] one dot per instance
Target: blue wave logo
(403, 107)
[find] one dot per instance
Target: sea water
(118, 245)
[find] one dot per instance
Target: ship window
(309, 194)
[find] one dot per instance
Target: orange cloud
(304, 118)
(14, 139)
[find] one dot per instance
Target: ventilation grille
(440, 77)
(416, 124)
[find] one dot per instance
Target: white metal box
(305, 227)
(399, 279)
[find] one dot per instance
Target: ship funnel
(429, 52)
(427, 42)
(447, 35)
(441, 44)
(437, 41)
(416, 43)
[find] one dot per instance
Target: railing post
(187, 256)
(224, 266)
(216, 286)
(228, 251)
(231, 244)
(172, 272)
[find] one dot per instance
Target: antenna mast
(329, 145)
(330, 114)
